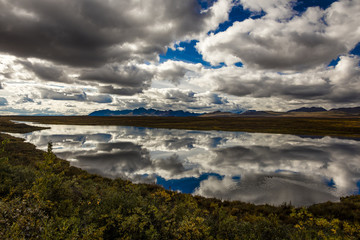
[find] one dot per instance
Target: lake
(251, 167)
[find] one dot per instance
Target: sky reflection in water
(251, 167)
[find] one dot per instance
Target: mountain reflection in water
(251, 167)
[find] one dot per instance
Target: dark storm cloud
(94, 32)
(308, 50)
(269, 88)
(49, 30)
(103, 42)
(123, 80)
(120, 91)
(181, 96)
(74, 96)
(339, 84)
(67, 96)
(46, 72)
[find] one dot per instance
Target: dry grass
(338, 127)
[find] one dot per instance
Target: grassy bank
(7, 126)
(42, 197)
(338, 127)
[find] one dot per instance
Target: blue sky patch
(301, 6)
(186, 52)
(330, 183)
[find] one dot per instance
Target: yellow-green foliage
(42, 197)
(310, 226)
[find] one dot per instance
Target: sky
(69, 57)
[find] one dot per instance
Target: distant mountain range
(334, 111)
(144, 112)
(311, 109)
(301, 112)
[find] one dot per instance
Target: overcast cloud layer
(74, 57)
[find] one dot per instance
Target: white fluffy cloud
(273, 8)
(87, 55)
(176, 71)
(304, 41)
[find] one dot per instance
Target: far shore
(307, 126)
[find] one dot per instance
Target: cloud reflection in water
(252, 167)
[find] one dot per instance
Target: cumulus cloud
(127, 91)
(60, 95)
(172, 165)
(337, 84)
(276, 9)
(122, 75)
(181, 96)
(118, 79)
(74, 95)
(46, 72)
(345, 80)
(219, 13)
(212, 98)
(264, 84)
(25, 99)
(99, 98)
(187, 100)
(132, 78)
(100, 43)
(91, 33)
(303, 41)
(110, 50)
(176, 71)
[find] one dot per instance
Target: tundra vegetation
(311, 126)
(43, 197)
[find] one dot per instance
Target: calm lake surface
(251, 167)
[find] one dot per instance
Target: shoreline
(313, 127)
